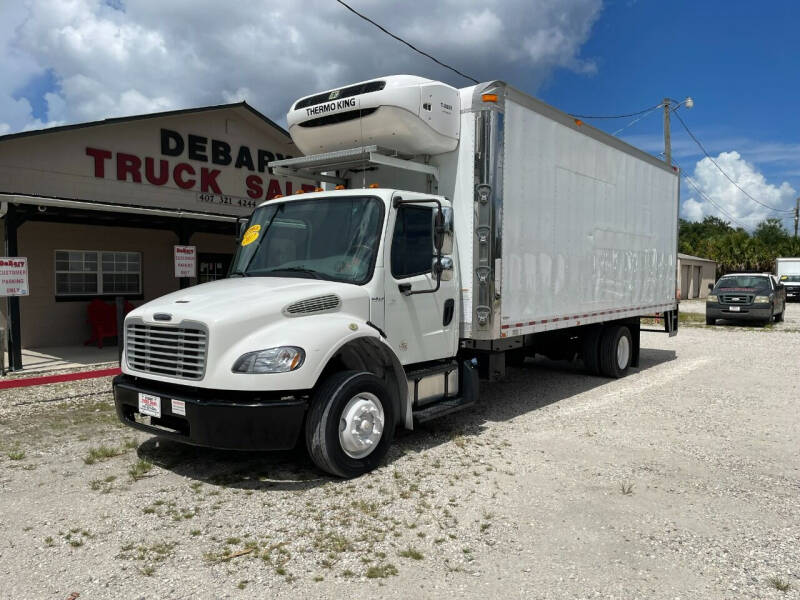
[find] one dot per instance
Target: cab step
(441, 408)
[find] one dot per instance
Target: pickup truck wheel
(616, 349)
(350, 424)
(779, 316)
(711, 321)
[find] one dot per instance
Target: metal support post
(667, 140)
(11, 223)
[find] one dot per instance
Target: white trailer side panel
(588, 229)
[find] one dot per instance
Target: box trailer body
(466, 227)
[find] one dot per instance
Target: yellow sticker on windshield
(784, 277)
(251, 235)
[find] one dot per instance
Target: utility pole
(667, 141)
(796, 217)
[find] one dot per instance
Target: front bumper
(751, 312)
(214, 418)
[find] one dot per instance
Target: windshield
(743, 282)
(324, 238)
(790, 278)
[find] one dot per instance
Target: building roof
(682, 256)
(168, 113)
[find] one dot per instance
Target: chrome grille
(736, 298)
(166, 350)
(313, 305)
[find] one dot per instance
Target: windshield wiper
(312, 272)
(239, 274)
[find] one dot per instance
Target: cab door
(419, 326)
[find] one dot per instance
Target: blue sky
(90, 59)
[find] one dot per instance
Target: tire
(614, 360)
(779, 316)
(591, 350)
(323, 439)
(711, 321)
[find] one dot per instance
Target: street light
(670, 106)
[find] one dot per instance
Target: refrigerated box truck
(458, 230)
(787, 270)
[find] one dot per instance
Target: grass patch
(101, 453)
(779, 584)
(411, 553)
(102, 485)
(626, 488)
(381, 571)
(140, 469)
(16, 454)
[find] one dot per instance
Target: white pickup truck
(459, 229)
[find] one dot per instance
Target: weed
(140, 469)
(49, 541)
(381, 571)
(147, 570)
(232, 541)
(318, 578)
(779, 584)
(242, 584)
(102, 452)
(626, 488)
(195, 532)
(16, 454)
(411, 553)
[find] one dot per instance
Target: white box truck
(460, 229)
(787, 270)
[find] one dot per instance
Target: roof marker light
(489, 97)
(339, 187)
(373, 186)
(318, 189)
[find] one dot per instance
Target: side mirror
(710, 286)
(443, 230)
(242, 229)
(443, 268)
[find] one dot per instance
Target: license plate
(149, 405)
(734, 309)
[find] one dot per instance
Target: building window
(93, 273)
(212, 266)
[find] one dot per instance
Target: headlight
(761, 300)
(711, 298)
(273, 360)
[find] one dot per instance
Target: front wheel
(711, 321)
(779, 316)
(350, 424)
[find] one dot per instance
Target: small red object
(103, 320)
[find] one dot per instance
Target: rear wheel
(350, 424)
(616, 350)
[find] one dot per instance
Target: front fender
(319, 335)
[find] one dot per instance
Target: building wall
(694, 277)
(48, 322)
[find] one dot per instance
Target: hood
(244, 303)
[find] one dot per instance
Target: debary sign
(217, 153)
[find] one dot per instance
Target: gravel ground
(679, 481)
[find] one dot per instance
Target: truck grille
(736, 298)
(164, 350)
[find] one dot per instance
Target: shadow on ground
(537, 384)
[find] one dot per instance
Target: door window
(412, 242)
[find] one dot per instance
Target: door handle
(404, 288)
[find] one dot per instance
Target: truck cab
(236, 363)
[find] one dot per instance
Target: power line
(399, 39)
(703, 195)
(636, 120)
(708, 156)
(636, 114)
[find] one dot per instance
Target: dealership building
(98, 208)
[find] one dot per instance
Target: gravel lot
(680, 481)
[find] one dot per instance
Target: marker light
(489, 97)
(578, 122)
(276, 196)
(298, 192)
(339, 187)
(373, 186)
(318, 189)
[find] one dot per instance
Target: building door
(696, 282)
(685, 281)
(211, 267)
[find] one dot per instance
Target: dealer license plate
(734, 309)
(149, 405)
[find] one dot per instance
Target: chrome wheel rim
(623, 352)
(361, 425)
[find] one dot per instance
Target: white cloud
(116, 58)
(716, 187)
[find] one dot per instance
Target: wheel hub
(623, 352)
(361, 425)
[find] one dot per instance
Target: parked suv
(746, 296)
